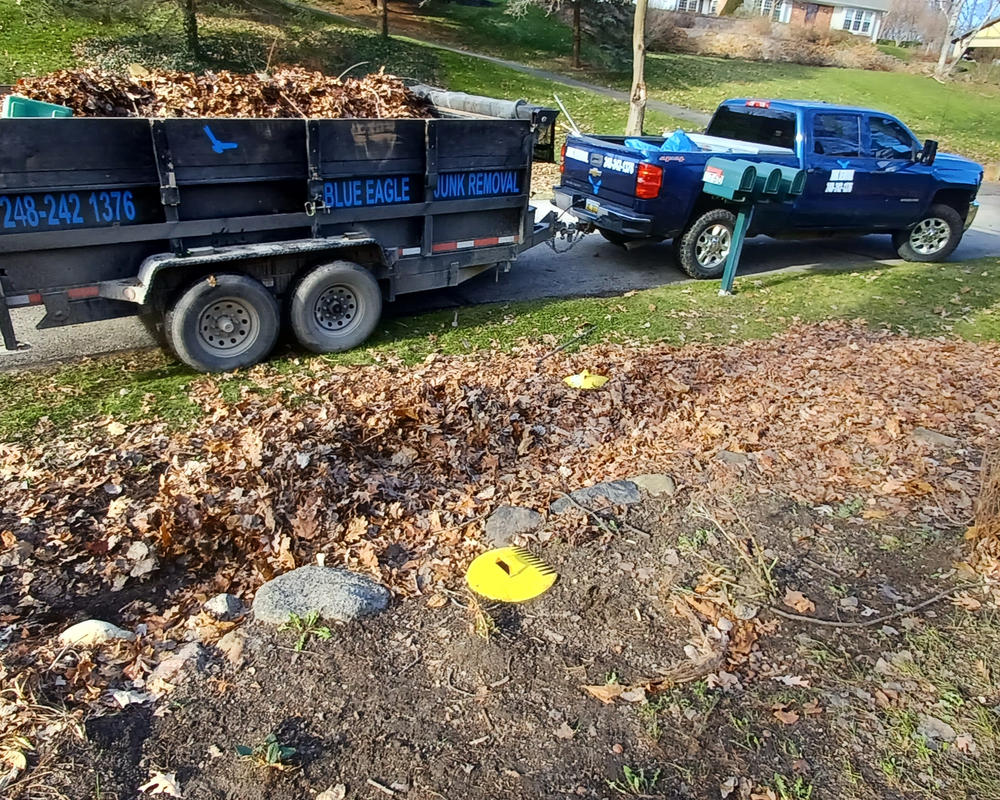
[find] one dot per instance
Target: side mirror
(928, 154)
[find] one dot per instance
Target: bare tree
(912, 21)
(637, 100)
(967, 16)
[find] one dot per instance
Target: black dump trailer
(219, 231)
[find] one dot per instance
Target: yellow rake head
(510, 574)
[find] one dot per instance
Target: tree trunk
(637, 101)
(191, 27)
(383, 20)
(577, 36)
(943, 68)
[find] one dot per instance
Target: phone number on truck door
(27, 212)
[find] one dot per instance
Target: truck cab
(866, 173)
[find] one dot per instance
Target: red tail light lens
(562, 158)
(648, 181)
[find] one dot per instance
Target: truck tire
(934, 238)
(704, 245)
(223, 322)
(335, 307)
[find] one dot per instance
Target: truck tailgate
(605, 172)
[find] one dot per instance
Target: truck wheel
(335, 307)
(703, 247)
(223, 322)
(934, 238)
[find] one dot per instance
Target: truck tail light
(648, 181)
(758, 103)
(562, 158)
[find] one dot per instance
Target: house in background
(982, 45)
(861, 17)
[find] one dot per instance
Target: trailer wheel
(223, 322)
(152, 321)
(703, 247)
(335, 307)
(934, 238)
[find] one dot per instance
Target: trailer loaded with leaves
(220, 231)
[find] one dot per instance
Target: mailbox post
(748, 183)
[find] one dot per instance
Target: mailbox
(793, 181)
(748, 183)
(730, 179)
(768, 182)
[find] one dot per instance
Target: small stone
(734, 459)
(169, 670)
(935, 439)
(225, 607)
(617, 493)
(656, 484)
(932, 728)
(93, 632)
(231, 646)
(617, 749)
(851, 603)
(335, 594)
(509, 521)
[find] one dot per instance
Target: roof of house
(979, 28)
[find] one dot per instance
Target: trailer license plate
(593, 206)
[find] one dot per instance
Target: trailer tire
(335, 307)
(933, 238)
(223, 322)
(152, 321)
(702, 248)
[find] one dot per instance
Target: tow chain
(571, 233)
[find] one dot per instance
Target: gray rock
(169, 670)
(336, 594)
(934, 438)
(932, 728)
(735, 459)
(656, 484)
(618, 493)
(225, 607)
(508, 521)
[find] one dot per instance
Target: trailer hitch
(569, 232)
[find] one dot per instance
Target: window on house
(837, 135)
(857, 20)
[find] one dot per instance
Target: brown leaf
(799, 602)
(606, 693)
(437, 601)
(787, 717)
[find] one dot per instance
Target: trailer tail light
(562, 158)
(758, 103)
(648, 181)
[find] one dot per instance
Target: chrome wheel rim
(228, 327)
(337, 310)
(930, 236)
(713, 245)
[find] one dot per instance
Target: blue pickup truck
(866, 173)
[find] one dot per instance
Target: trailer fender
(136, 290)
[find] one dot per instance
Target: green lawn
(961, 299)
(962, 116)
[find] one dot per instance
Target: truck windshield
(758, 125)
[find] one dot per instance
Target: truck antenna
(576, 130)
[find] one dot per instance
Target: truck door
(892, 189)
(831, 155)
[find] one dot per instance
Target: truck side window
(890, 140)
(767, 126)
(837, 134)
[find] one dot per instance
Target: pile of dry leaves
(389, 469)
(288, 92)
